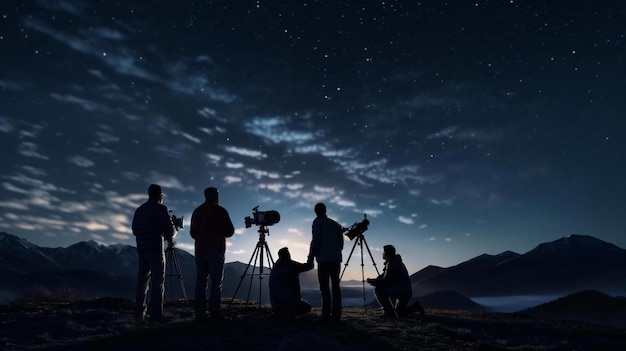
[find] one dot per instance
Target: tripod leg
(348, 260)
(172, 269)
(269, 256)
(244, 275)
(363, 272)
(371, 257)
(180, 275)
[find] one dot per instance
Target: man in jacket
(393, 286)
(285, 295)
(326, 247)
(151, 224)
(210, 226)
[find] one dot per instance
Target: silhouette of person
(394, 284)
(210, 226)
(151, 224)
(285, 295)
(326, 247)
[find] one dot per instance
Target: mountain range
(570, 264)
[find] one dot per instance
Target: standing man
(326, 247)
(210, 226)
(151, 223)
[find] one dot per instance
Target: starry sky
(459, 128)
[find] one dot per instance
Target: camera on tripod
(357, 229)
(262, 218)
(177, 221)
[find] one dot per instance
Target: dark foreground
(107, 324)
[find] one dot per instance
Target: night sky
(459, 128)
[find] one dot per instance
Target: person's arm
(315, 241)
(167, 227)
(229, 228)
(193, 227)
(303, 267)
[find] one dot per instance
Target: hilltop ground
(107, 324)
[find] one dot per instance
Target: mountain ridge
(565, 265)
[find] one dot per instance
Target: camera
(357, 229)
(262, 218)
(177, 221)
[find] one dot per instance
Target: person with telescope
(326, 247)
(210, 226)
(151, 224)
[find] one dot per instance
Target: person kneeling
(285, 295)
(393, 287)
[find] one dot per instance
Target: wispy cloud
(30, 149)
(405, 220)
(81, 161)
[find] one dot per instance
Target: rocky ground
(107, 324)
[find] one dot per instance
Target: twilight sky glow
(460, 128)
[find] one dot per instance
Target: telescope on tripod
(261, 251)
(356, 231)
(172, 267)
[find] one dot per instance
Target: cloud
(92, 226)
(447, 133)
(447, 202)
(7, 85)
(232, 179)
(405, 220)
(342, 201)
(245, 152)
(81, 161)
(276, 130)
(5, 125)
(168, 181)
(83, 103)
(29, 149)
(13, 205)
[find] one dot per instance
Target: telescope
(357, 229)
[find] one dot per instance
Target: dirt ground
(107, 324)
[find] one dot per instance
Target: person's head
(155, 192)
(320, 209)
(211, 195)
(388, 251)
(284, 253)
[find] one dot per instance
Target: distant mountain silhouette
(588, 306)
(449, 300)
(563, 266)
(560, 267)
(99, 270)
(87, 267)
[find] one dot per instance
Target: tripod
(173, 269)
(258, 254)
(360, 241)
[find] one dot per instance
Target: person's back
(211, 225)
(285, 295)
(151, 224)
(326, 246)
(397, 278)
(327, 242)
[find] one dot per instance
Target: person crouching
(285, 295)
